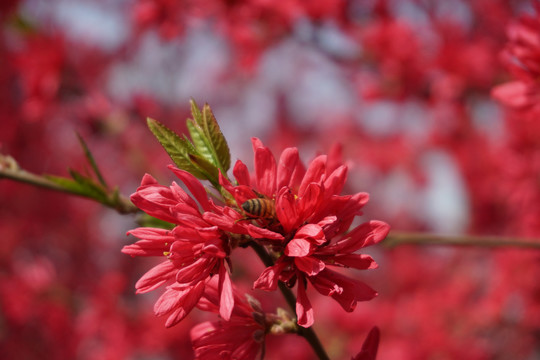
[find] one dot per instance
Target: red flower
(370, 346)
(309, 225)
(195, 250)
(522, 58)
(242, 337)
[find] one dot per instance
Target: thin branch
(396, 238)
(307, 333)
(116, 201)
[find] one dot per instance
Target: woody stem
(116, 201)
(308, 334)
(396, 238)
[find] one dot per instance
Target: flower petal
(153, 242)
(366, 234)
(241, 173)
(514, 94)
(268, 280)
(286, 166)
(349, 291)
(226, 301)
(309, 265)
(298, 247)
(335, 182)
(186, 305)
(304, 310)
(314, 173)
(156, 277)
(265, 171)
(370, 346)
(309, 202)
(286, 210)
(261, 233)
(196, 271)
(195, 187)
(357, 261)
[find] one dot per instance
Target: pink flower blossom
(522, 58)
(194, 250)
(240, 338)
(308, 232)
(370, 346)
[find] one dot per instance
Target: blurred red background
(405, 88)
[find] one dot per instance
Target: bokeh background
(401, 90)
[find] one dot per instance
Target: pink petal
(156, 277)
(514, 94)
(268, 280)
(309, 201)
(367, 234)
(261, 233)
(256, 143)
(286, 166)
(357, 261)
(201, 329)
(226, 223)
(156, 201)
(265, 171)
(153, 234)
(298, 247)
(314, 173)
(196, 271)
(297, 176)
(195, 187)
(170, 299)
(148, 180)
(183, 196)
(241, 173)
(312, 231)
(286, 210)
(226, 302)
(187, 209)
(351, 291)
(146, 248)
(304, 310)
(335, 182)
(187, 305)
(223, 181)
(370, 346)
(154, 242)
(309, 265)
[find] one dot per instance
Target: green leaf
(196, 112)
(80, 185)
(91, 161)
(178, 149)
(217, 139)
(206, 166)
(208, 138)
(201, 144)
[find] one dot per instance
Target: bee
(260, 208)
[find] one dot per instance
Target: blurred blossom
(435, 105)
(445, 199)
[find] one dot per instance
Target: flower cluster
(307, 234)
(405, 87)
(522, 58)
(194, 250)
(295, 215)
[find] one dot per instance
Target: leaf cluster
(205, 154)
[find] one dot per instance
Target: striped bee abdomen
(262, 208)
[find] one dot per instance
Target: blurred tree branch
(397, 238)
(79, 185)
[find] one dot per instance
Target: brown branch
(396, 238)
(10, 170)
